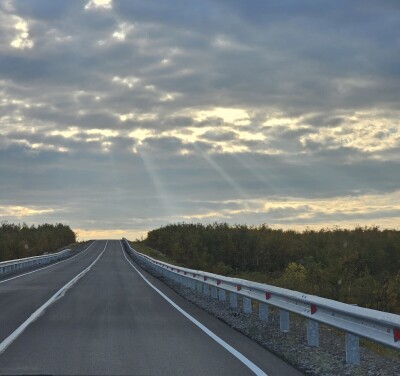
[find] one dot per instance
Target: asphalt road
(111, 322)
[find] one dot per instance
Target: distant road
(109, 321)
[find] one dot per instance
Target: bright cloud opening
(99, 4)
(235, 116)
(123, 30)
(21, 40)
(22, 211)
(129, 81)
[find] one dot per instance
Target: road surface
(109, 321)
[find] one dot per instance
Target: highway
(101, 314)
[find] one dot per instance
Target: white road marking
(59, 294)
(49, 266)
(248, 363)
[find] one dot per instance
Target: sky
(118, 117)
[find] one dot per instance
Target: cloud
(96, 4)
(8, 211)
(150, 115)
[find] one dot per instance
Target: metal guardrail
(356, 322)
(13, 266)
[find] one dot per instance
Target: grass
(381, 350)
(143, 248)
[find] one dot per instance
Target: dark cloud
(324, 120)
(47, 9)
(220, 136)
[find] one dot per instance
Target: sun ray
(236, 187)
(162, 194)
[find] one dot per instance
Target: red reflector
(313, 308)
(238, 287)
(396, 334)
(267, 295)
(218, 283)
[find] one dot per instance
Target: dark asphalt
(112, 323)
(20, 297)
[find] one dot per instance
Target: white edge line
(60, 293)
(48, 266)
(248, 363)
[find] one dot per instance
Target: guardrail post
(199, 286)
(233, 300)
(214, 292)
(352, 349)
(246, 304)
(312, 333)
(188, 283)
(284, 320)
(221, 295)
(206, 290)
(263, 311)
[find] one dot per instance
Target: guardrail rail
(18, 265)
(356, 322)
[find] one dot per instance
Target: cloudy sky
(117, 117)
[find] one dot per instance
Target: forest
(18, 241)
(359, 266)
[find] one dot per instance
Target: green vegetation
(360, 266)
(18, 241)
(143, 248)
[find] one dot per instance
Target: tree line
(359, 266)
(18, 241)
